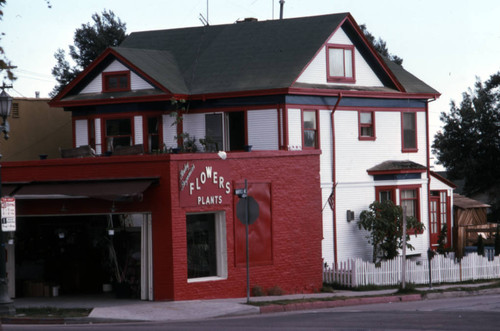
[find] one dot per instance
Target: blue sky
(446, 43)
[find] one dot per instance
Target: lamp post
(6, 303)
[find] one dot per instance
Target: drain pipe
(334, 180)
(282, 4)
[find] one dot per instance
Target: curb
(274, 308)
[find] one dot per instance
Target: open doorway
(82, 254)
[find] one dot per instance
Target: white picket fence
(356, 272)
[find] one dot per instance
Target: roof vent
(248, 19)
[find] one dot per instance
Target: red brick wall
(295, 208)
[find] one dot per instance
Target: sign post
(247, 211)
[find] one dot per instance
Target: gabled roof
(243, 58)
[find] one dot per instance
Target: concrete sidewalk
(107, 309)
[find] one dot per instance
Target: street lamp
(6, 303)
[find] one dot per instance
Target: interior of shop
(78, 255)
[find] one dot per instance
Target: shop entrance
(84, 254)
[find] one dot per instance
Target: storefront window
(206, 242)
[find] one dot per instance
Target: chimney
(282, 4)
(37, 94)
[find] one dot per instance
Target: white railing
(356, 272)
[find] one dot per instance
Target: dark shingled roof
(247, 56)
(240, 57)
(397, 166)
(243, 58)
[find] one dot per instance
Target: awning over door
(107, 189)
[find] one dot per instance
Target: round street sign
(253, 210)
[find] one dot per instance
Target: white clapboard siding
(327, 242)
(295, 129)
(316, 71)
(263, 129)
(81, 133)
(326, 157)
(136, 82)
(138, 130)
(169, 131)
(354, 156)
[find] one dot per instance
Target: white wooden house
(280, 85)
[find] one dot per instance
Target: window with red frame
(116, 81)
(153, 134)
(118, 133)
(340, 63)
(366, 125)
(408, 197)
(310, 126)
(385, 193)
(409, 200)
(409, 132)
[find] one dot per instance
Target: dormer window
(116, 81)
(340, 63)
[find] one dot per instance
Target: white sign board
(8, 214)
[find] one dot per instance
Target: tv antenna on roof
(202, 18)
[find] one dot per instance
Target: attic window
(116, 81)
(340, 63)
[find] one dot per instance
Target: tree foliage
(384, 222)
(469, 144)
(5, 64)
(90, 40)
(380, 46)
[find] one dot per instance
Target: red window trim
(361, 125)
(146, 134)
(409, 149)
(107, 75)
(400, 188)
(104, 133)
(317, 142)
(342, 79)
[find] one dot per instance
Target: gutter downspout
(334, 182)
(428, 167)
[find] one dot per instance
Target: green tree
(469, 144)
(90, 40)
(384, 222)
(380, 46)
(441, 249)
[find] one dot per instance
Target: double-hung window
(366, 125)
(409, 132)
(340, 63)
(118, 133)
(153, 130)
(310, 126)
